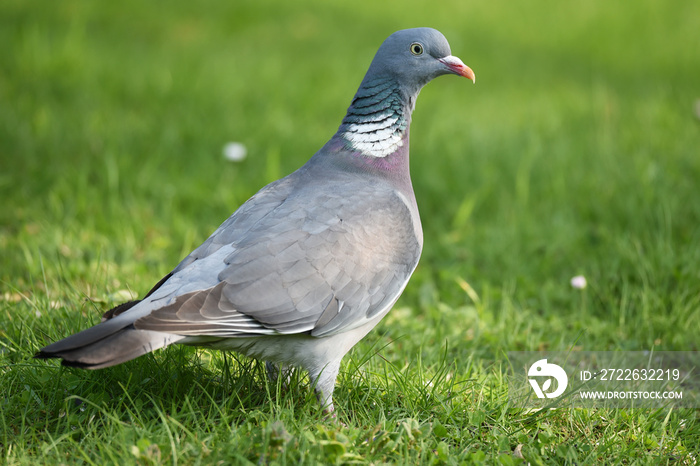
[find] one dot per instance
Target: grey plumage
(307, 266)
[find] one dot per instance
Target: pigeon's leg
(274, 372)
(323, 381)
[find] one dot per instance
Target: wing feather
(296, 266)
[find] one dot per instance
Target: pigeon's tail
(112, 342)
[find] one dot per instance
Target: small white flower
(234, 151)
(579, 282)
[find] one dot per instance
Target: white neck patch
(375, 138)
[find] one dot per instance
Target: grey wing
(315, 263)
(239, 224)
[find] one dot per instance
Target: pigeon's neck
(378, 119)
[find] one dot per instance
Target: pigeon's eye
(416, 48)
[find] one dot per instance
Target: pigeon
(306, 267)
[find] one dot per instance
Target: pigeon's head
(416, 56)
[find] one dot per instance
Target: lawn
(577, 152)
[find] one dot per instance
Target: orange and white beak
(456, 66)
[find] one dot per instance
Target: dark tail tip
(64, 362)
(42, 355)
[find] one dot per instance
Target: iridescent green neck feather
(376, 120)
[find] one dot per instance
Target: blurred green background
(577, 152)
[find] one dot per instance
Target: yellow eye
(416, 48)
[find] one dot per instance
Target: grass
(575, 153)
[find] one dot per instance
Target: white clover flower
(579, 282)
(234, 151)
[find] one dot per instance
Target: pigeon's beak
(456, 66)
